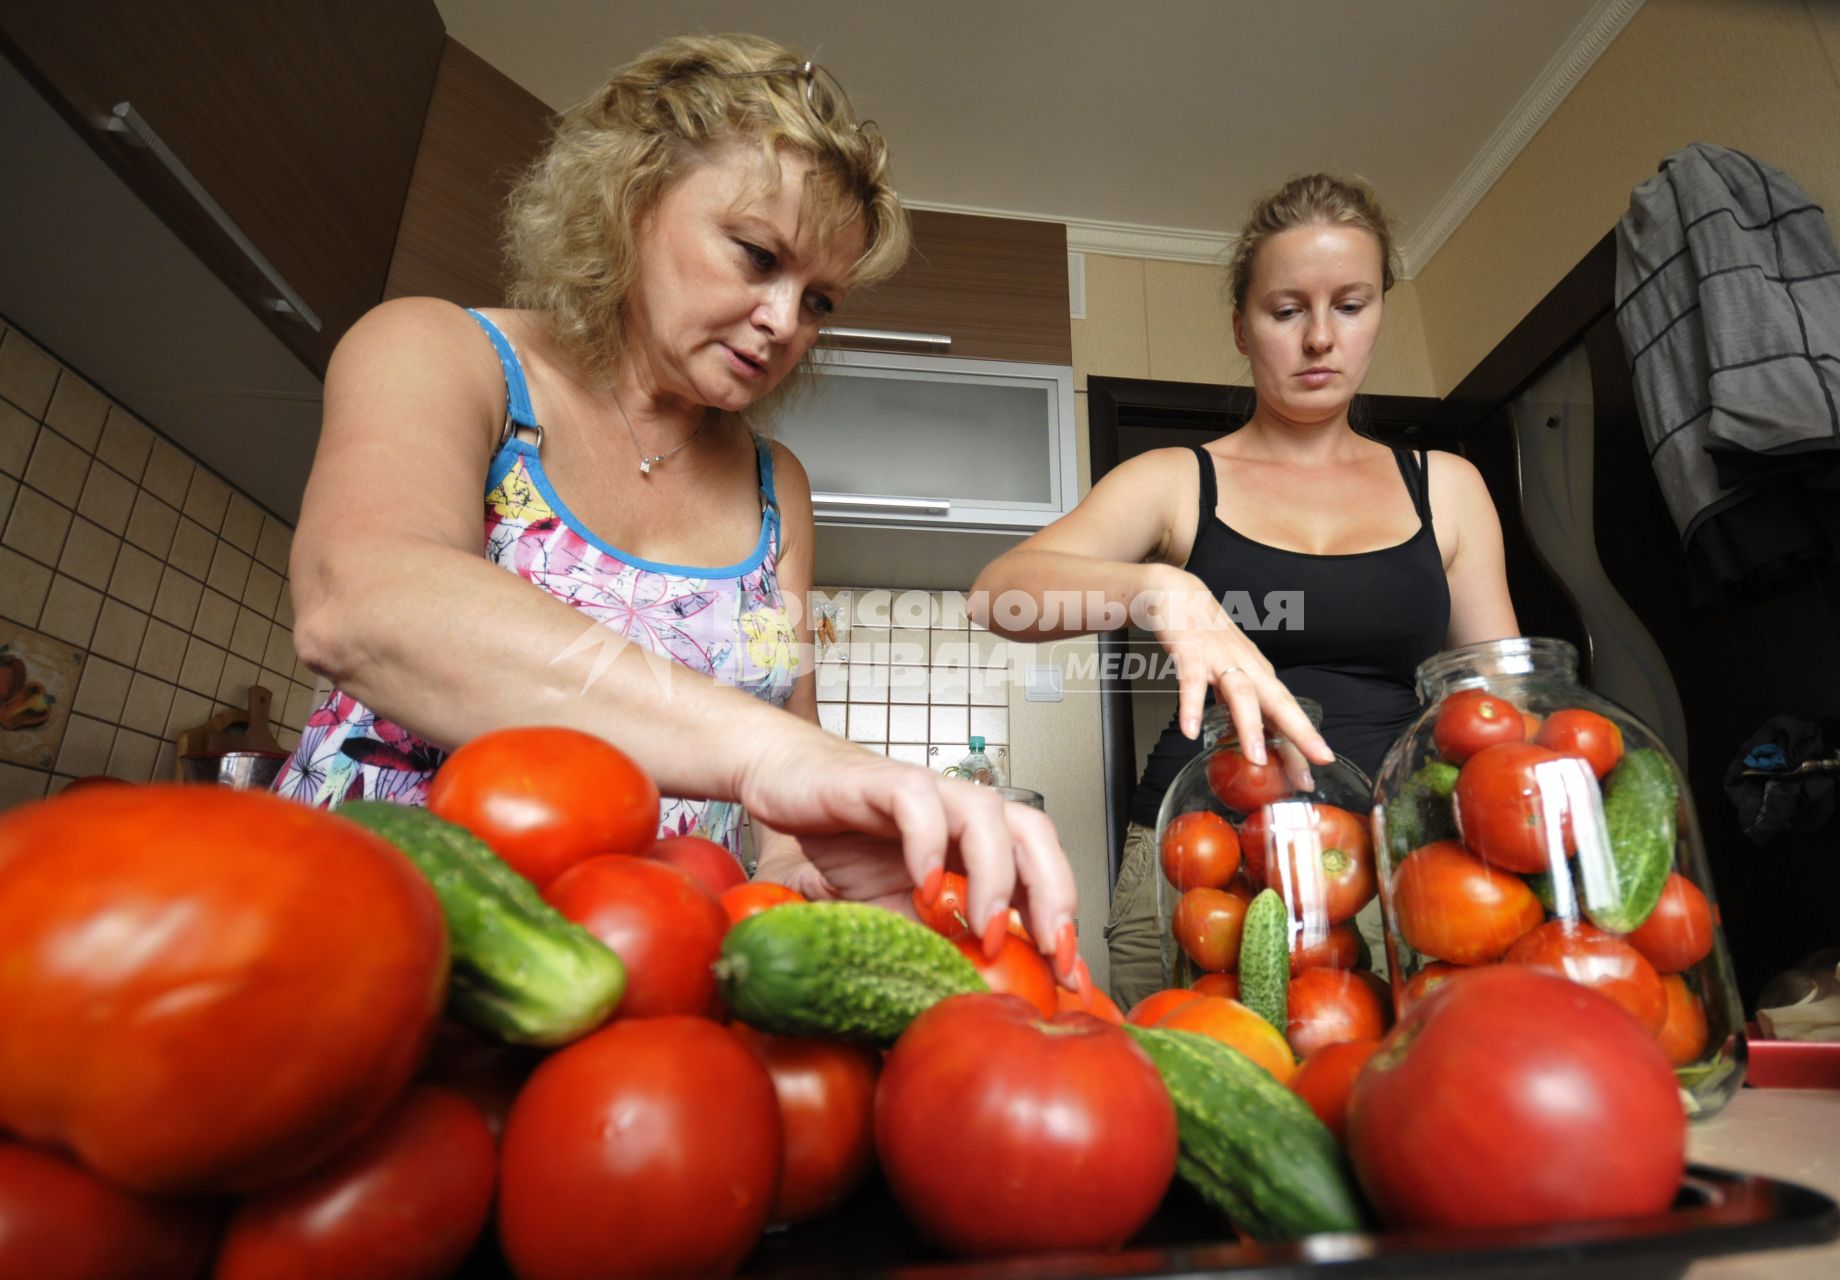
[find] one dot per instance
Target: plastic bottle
(978, 768)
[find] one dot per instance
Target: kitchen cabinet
(996, 286)
(934, 442)
(276, 139)
(483, 129)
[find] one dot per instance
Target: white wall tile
(169, 474)
(949, 687)
(102, 689)
(151, 525)
(193, 546)
(872, 608)
(133, 756)
(202, 668)
(120, 632)
(907, 723)
(136, 580)
(148, 705)
(868, 683)
(108, 498)
(207, 499)
(37, 526)
(162, 650)
(908, 684)
(126, 444)
(242, 524)
(57, 468)
(949, 724)
(229, 570)
(868, 722)
(177, 599)
(86, 746)
(9, 489)
(18, 435)
(833, 717)
(263, 590)
(952, 615)
(23, 586)
(249, 639)
(77, 411)
(913, 609)
(89, 553)
(70, 611)
(908, 752)
(990, 724)
(20, 785)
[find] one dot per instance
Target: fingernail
(929, 888)
(1066, 952)
(1082, 978)
(995, 929)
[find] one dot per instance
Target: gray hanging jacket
(1728, 301)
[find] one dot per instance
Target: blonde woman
(505, 499)
(1362, 560)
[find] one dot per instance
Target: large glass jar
(1524, 819)
(1227, 829)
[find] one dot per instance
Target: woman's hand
(1211, 652)
(873, 829)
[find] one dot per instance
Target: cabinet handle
(125, 120)
(937, 343)
(853, 504)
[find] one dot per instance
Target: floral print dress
(729, 623)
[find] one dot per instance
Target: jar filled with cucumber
(1264, 868)
(1524, 819)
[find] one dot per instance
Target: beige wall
(1762, 76)
(170, 584)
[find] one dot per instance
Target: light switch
(1041, 683)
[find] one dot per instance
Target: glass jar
(1524, 819)
(1311, 845)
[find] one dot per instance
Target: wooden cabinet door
(298, 120)
(996, 286)
(483, 130)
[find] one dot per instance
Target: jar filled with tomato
(1525, 820)
(1228, 831)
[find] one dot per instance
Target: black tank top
(1347, 631)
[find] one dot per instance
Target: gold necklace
(646, 460)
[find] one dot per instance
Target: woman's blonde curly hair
(572, 224)
(1307, 201)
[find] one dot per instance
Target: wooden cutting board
(233, 729)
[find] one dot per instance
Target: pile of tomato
(1523, 783)
(1319, 859)
(224, 1052)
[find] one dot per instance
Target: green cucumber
(1251, 1147)
(1265, 959)
(1421, 812)
(1641, 801)
(844, 969)
(521, 969)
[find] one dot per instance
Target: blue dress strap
(518, 412)
(769, 504)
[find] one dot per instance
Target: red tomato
(484, 1070)
(1318, 857)
(547, 798)
(1326, 1078)
(1328, 1006)
(59, 1221)
(1338, 947)
(1427, 980)
(1586, 734)
(651, 1147)
(1451, 907)
(1207, 925)
(1019, 970)
(1200, 850)
(1601, 961)
(826, 1092)
(407, 1200)
(1678, 933)
(1232, 1023)
(1097, 1003)
(1148, 1011)
(1514, 805)
(950, 912)
(1243, 786)
(710, 864)
(751, 899)
(1683, 1034)
(207, 989)
(664, 926)
(1059, 1134)
(1530, 725)
(1512, 1097)
(1472, 719)
(1216, 984)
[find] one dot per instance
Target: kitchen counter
(1791, 1134)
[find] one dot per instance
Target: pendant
(645, 466)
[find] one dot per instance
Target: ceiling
(1147, 125)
